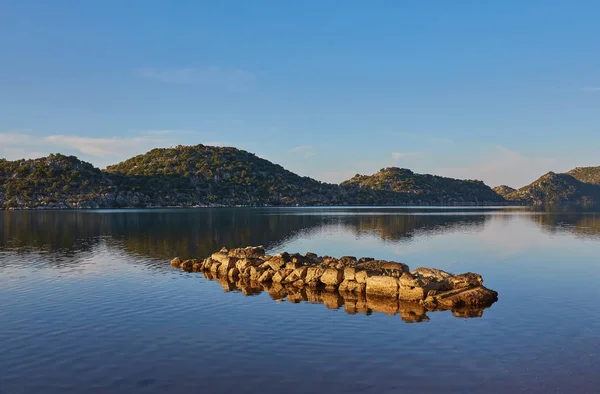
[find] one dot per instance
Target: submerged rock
(346, 281)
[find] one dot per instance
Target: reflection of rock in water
(352, 303)
(360, 285)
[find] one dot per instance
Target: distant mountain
(503, 190)
(424, 188)
(213, 176)
(554, 188)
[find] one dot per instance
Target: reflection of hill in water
(197, 233)
(584, 224)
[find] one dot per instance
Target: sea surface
(90, 304)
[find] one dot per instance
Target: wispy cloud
(397, 156)
(306, 150)
(230, 79)
(591, 89)
(301, 148)
(100, 151)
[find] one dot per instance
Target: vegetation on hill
(554, 188)
(424, 188)
(586, 174)
(205, 175)
(503, 190)
(56, 180)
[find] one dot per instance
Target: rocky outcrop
(390, 286)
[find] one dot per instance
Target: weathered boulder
(187, 265)
(223, 258)
(465, 280)
(276, 262)
(332, 277)
(349, 273)
(280, 275)
(176, 262)
(313, 275)
(297, 274)
(395, 269)
(251, 252)
(265, 276)
(383, 286)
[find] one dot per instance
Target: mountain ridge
(202, 175)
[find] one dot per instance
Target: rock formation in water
(353, 280)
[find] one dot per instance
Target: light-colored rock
(382, 286)
(332, 277)
(187, 265)
(465, 280)
(349, 273)
(224, 258)
(265, 276)
(297, 274)
(361, 276)
(276, 263)
(313, 275)
(253, 252)
(280, 275)
(176, 262)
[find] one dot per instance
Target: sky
(501, 91)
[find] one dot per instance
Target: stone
(348, 261)
(465, 280)
(276, 263)
(365, 260)
(352, 286)
(187, 265)
(176, 262)
(255, 273)
(280, 275)
(394, 269)
(349, 273)
(383, 286)
(197, 267)
(313, 275)
(223, 258)
(265, 276)
(242, 264)
(332, 277)
(465, 297)
(253, 252)
(293, 265)
(296, 274)
(431, 274)
(361, 276)
(233, 273)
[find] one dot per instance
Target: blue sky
(501, 91)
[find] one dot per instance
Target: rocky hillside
(554, 188)
(503, 190)
(586, 174)
(56, 181)
(192, 175)
(411, 188)
(205, 176)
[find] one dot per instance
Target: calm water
(89, 303)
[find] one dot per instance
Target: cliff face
(204, 175)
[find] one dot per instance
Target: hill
(191, 175)
(586, 174)
(554, 188)
(409, 187)
(212, 176)
(503, 190)
(55, 181)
